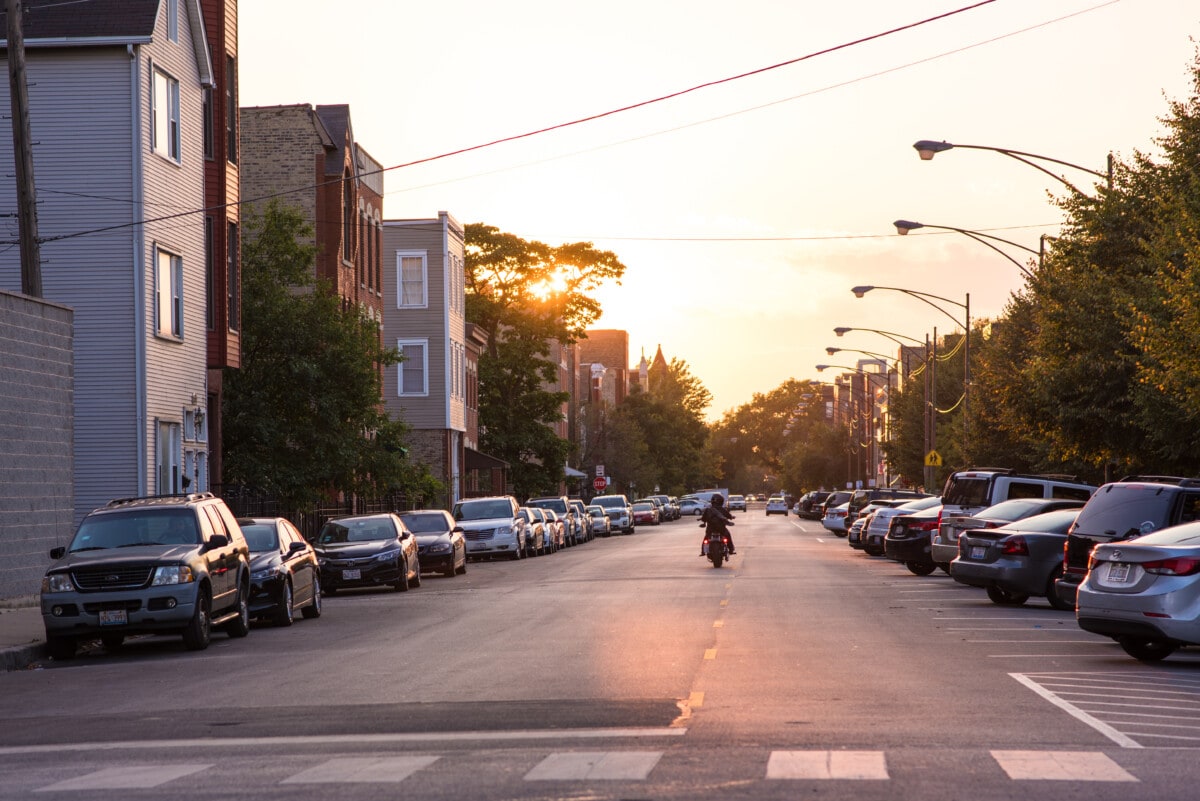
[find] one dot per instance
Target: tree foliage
(302, 416)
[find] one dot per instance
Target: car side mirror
(296, 547)
(216, 541)
(59, 552)
(457, 530)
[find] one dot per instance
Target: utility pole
(31, 259)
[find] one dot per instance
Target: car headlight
(266, 573)
(172, 574)
(504, 531)
(57, 582)
(388, 556)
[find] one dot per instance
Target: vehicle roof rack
(183, 496)
(1180, 480)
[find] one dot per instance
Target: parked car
(855, 533)
(660, 512)
(1016, 560)
(944, 543)
(645, 512)
(834, 520)
(1124, 509)
(836, 498)
(535, 531)
(876, 530)
(561, 505)
(670, 509)
(860, 498)
(907, 540)
(557, 528)
(581, 516)
(810, 504)
(691, 506)
(970, 491)
(1145, 593)
(737, 503)
(492, 526)
(367, 551)
(777, 505)
(619, 510)
(156, 565)
(598, 521)
(551, 532)
(441, 546)
(284, 573)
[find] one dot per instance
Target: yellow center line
(725, 602)
(710, 653)
(696, 700)
(718, 624)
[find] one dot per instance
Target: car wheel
(1052, 596)
(61, 647)
(1005, 598)
(112, 642)
(199, 630)
(401, 584)
(240, 625)
(313, 610)
(284, 614)
(1145, 650)
(462, 570)
(920, 568)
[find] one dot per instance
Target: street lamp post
(928, 148)
(885, 434)
(904, 226)
(861, 422)
(927, 298)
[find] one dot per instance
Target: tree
(302, 417)
(528, 295)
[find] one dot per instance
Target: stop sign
(599, 483)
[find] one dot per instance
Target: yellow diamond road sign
(933, 459)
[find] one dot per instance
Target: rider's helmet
(718, 499)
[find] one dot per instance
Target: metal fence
(248, 503)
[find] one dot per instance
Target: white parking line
(611, 765)
(362, 770)
(1108, 731)
(126, 777)
(1079, 766)
(827, 765)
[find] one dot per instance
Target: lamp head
(904, 226)
(859, 291)
(929, 148)
(832, 351)
(822, 368)
(841, 329)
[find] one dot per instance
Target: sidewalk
(22, 636)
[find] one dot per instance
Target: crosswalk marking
(827, 765)
(362, 770)
(1061, 766)
(614, 765)
(126, 777)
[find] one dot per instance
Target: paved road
(627, 668)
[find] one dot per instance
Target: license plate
(114, 617)
(351, 575)
(1118, 572)
(977, 551)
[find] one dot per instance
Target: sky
(745, 210)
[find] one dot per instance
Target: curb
(22, 656)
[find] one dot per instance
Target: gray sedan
(1145, 592)
(1015, 561)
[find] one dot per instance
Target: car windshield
(549, 503)
(609, 501)
(262, 537)
(961, 491)
(1121, 511)
(365, 530)
(595, 511)
(643, 506)
(425, 522)
(136, 527)
(482, 510)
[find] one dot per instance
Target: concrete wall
(36, 423)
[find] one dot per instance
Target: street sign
(599, 470)
(933, 459)
(599, 483)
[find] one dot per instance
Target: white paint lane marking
(128, 777)
(827, 765)
(1060, 766)
(362, 770)
(710, 653)
(598, 765)
(351, 739)
(1077, 713)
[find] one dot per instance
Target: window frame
(401, 255)
(172, 301)
(172, 148)
(401, 344)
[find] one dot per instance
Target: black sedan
(284, 574)
(440, 542)
(367, 551)
(908, 540)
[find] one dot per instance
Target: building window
(207, 118)
(168, 450)
(173, 20)
(413, 371)
(210, 288)
(411, 275)
(169, 294)
(164, 116)
(232, 281)
(231, 110)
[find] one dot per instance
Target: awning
(573, 473)
(481, 461)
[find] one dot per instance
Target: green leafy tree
(302, 416)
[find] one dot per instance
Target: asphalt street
(625, 668)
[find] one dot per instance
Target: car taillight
(1015, 546)
(929, 525)
(1179, 566)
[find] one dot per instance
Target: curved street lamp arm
(924, 297)
(892, 335)
(977, 238)
(1023, 157)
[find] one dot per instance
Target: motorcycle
(716, 545)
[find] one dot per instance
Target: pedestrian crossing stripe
(362, 770)
(126, 777)
(827, 765)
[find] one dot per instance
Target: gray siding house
(117, 93)
(424, 317)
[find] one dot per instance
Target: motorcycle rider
(716, 515)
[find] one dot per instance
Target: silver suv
(165, 564)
